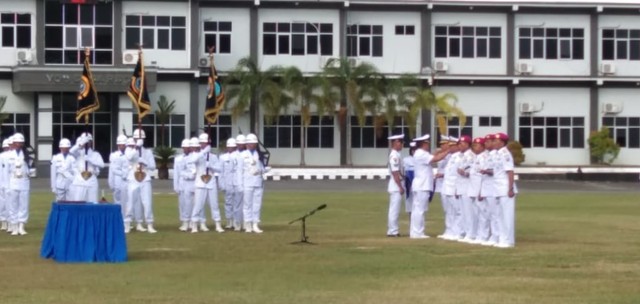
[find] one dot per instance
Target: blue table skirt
(85, 233)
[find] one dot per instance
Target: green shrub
(516, 151)
(603, 149)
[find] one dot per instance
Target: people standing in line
(450, 175)
(422, 185)
(395, 185)
(462, 188)
(206, 190)
(478, 217)
(505, 190)
(227, 181)
(4, 184)
(139, 191)
(488, 193)
(238, 218)
(409, 173)
(184, 177)
(17, 165)
(252, 183)
(86, 169)
(117, 173)
(439, 180)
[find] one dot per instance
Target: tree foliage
(163, 114)
(603, 149)
(515, 147)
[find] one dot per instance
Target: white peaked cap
(18, 137)
(138, 133)
(64, 143)
(422, 138)
(231, 143)
(203, 138)
(240, 140)
(185, 143)
(394, 137)
(194, 142)
(121, 140)
(251, 139)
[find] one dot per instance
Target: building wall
(630, 105)
(161, 58)
(480, 101)
(240, 44)
(8, 56)
(623, 67)
(482, 66)
(401, 54)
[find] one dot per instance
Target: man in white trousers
(422, 185)
(395, 185)
(62, 171)
(84, 186)
(505, 190)
(409, 173)
(488, 193)
(117, 171)
(4, 184)
(252, 183)
(237, 185)
(206, 190)
(453, 215)
(184, 176)
(227, 179)
(439, 180)
(17, 169)
(141, 164)
(462, 188)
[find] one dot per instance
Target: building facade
(548, 74)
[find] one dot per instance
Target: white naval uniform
(205, 192)
(252, 185)
(409, 165)
(89, 160)
(4, 187)
(238, 191)
(395, 198)
(503, 164)
(473, 192)
(484, 197)
(453, 216)
(118, 170)
(443, 198)
(462, 189)
(227, 181)
(17, 169)
(62, 175)
(422, 185)
(139, 193)
(184, 177)
(488, 193)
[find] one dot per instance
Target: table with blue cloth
(85, 233)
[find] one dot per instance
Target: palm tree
(308, 92)
(3, 115)
(248, 86)
(355, 83)
(444, 109)
(163, 114)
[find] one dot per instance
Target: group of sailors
(476, 184)
(15, 166)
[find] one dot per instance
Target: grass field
(571, 248)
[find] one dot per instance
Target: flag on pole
(138, 90)
(88, 101)
(215, 96)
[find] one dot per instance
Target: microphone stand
(304, 239)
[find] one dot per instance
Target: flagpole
(142, 87)
(213, 88)
(87, 53)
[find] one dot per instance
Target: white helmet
(131, 141)
(240, 140)
(64, 143)
(18, 137)
(194, 143)
(252, 139)
(87, 135)
(185, 143)
(121, 140)
(138, 133)
(9, 140)
(5, 143)
(231, 143)
(203, 138)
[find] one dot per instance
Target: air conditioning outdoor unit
(525, 68)
(612, 108)
(528, 107)
(129, 57)
(440, 66)
(335, 62)
(24, 56)
(354, 62)
(203, 62)
(608, 68)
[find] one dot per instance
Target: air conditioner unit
(24, 56)
(203, 62)
(440, 66)
(130, 57)
(612, 108)
(607, 68)
(525, 68)
(354, 62)
(528, 107)
(335, 62)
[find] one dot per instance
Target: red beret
(501, 136)
(489, 136)
(465, 138)
(479, 140)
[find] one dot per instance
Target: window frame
(156, 32)
(616, 127)
(538, 43)
(14, 26)
(374, 36)
(460, 37)
(540, 130)
(287, 31)
(218, 34)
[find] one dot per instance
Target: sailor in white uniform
(141, 164)
(4, 184)
(86, 169)
(17, 169)
(488, 193)
(409, 173)
(505, 190)
(439, 179)
(453, 215)
(228, 164)
(478, 210)
(207, 165)
(62, 171)
(395, 185)
(465, 222)
(253, 184)
(117, 168)
(237, 184)
(184, 176)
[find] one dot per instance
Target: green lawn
(571, 248)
